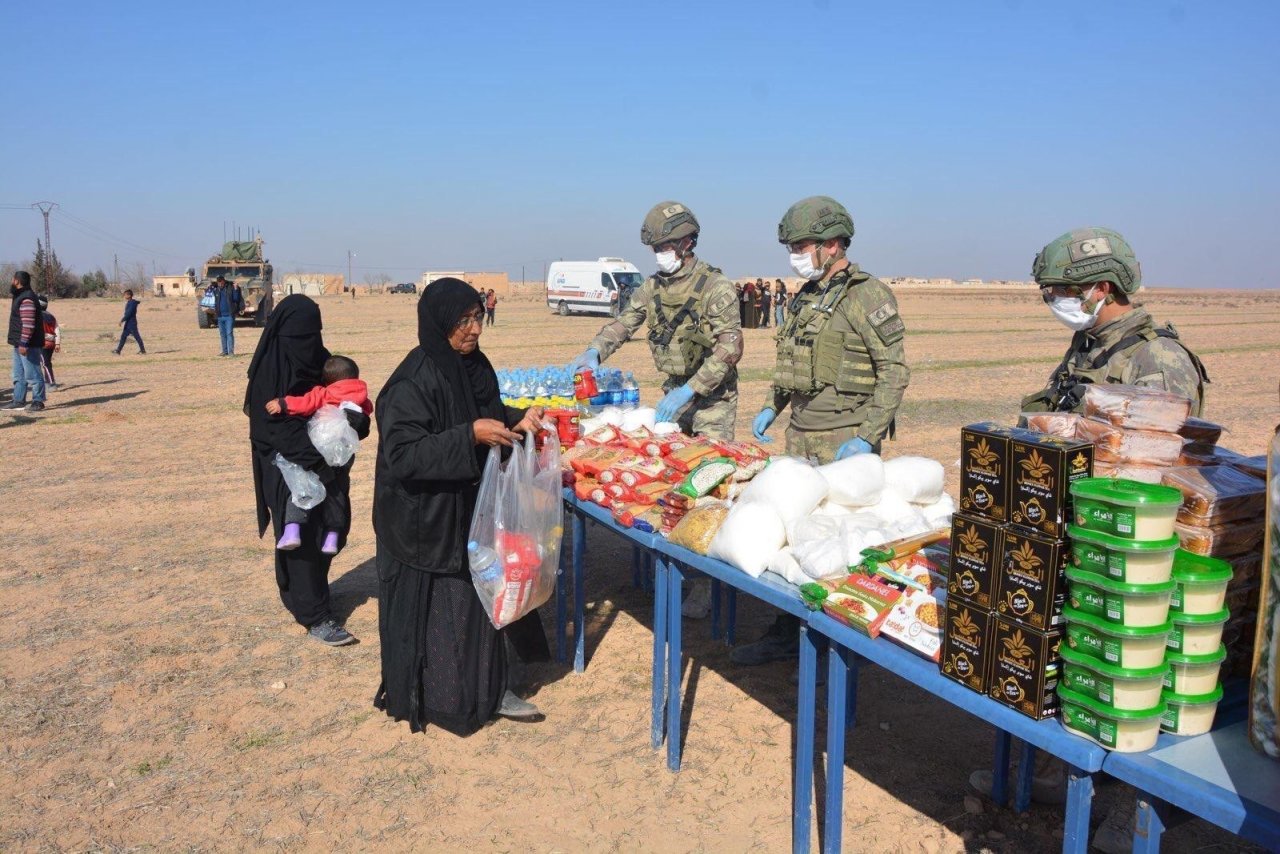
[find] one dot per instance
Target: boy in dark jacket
(130, 323)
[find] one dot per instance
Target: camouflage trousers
(820, 446)
(712, 415)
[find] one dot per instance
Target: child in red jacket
(342, 389)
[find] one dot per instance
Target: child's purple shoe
(330, 546)
(291, 538)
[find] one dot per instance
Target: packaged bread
(1245, 569)
(1060, 424)
(1112, 444)
(699, 526)
(1223, 541)
(1139, 407)
(1212, 495)
(1200, 454)
(1253, 466)
(1130, 471)
(1201, 432)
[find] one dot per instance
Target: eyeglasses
(475, 318)
(800, 246)
(1049, 293)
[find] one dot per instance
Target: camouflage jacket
(869, 311)
(717, 328)
(1129, 350)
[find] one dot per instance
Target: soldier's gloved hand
(762, 423)
(675, 400)
(852, 447)
(589, 359)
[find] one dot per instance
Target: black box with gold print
(966, 642)
(1041, 471)
(1025, 668)
(984, 470)
(1032, 585)
(975, 556)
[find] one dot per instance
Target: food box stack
(1009, 550)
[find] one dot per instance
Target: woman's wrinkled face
(465, 336)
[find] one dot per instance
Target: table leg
(715, 609)
(562, 598)
(851, 690)
(675, 585)
(1152, 820)
(636, 567)
(806, 700)
(659, 650)
(648, 570)
(1075, 830)
(1026, 771)
(579, 595)
(731, 631)
(840, 708)
(1000, 770)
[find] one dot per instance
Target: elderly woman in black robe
(289, 360)
(443, 662)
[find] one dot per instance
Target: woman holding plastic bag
(443, 662)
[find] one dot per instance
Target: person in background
(229, 303)
(766, 300)
(52, 341)
(26, 336)
(490, 303)
(749, 306)
(779, 302)
(129, 322)
(742, 303)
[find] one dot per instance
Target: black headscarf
(471, 377)
(289, 360)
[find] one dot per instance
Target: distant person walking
(766, 301)
(228, 302)
(52, 341)
(130, 323)
(26, 336)
(779, 302)
(490, 303)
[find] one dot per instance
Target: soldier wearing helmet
(1088, 278)
(695, 333)
(841, 364)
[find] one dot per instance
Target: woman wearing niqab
(443, 662)
(289, 360)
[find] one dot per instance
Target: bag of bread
(1112, 444)
(1223, 541)
(1212, 495)
(1135, 406)
(1201, 432)
(1130, 471)
(1060, 424)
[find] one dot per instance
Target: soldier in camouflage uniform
(1088, 278)
(841, 365)
(695, 332)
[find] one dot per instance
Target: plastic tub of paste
(1124, 731)
(1194, 674)
(1126, 508)
(1190, 714)
(1139, 605)
(1128, 561)
(1121, 688)
(1201, 583)
(1197, 634)
(1127, 646)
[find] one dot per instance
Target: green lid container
(1194, 674)
(1117, 601)
(1201, 583)
(1125, 508)
(1131, 647)
(1187, 714)
(1119, 687)
(1128, 561)
(1197, 634)
(1123, 730)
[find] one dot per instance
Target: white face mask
(668, 262)
(1071, 314)
(802, 264)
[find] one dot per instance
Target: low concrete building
(311, 284)
(183, 285)
(500, 283)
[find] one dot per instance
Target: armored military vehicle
(241, 263)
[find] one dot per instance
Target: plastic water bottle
(485, 565)
(615, 388)
(630, 392)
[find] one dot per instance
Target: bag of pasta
(698, 527)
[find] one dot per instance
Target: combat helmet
(668, 221)
(1088, 255)
(815, 218)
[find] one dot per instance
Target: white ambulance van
(593, 287)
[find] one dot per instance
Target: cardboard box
(1041, 470)
(861, 602)
(966, 643)
(915, 621)
(975, 560)
(1032, 585)
(1025, 668)
(984, 470)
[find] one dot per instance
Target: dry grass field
(155, 694)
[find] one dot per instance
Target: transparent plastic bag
(305, 489)
(1213, 495)
(1139, 407)
(332, 435)
(514, 541)
(699, 526)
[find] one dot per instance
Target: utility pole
(45, 208)
(115, 270)
(350, 284)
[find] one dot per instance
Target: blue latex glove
(852, 447)
(589, 359)
(675, 400)
(762, 423)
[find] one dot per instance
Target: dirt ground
(154, 693)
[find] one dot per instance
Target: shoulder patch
(882, 313)
(721, 303)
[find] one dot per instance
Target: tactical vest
(679, 335)
(813, 356)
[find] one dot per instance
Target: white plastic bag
(644, 416)
(814, 528)
(514, 542)
(855, 481)
(751, 534)
(823, 558)
(305, 489)
(791, 487)
(784, 563)
(938, 514)
(916, 479)
(332, 435)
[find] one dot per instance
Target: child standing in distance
(130, 323)
(342, 389)
(52, 341)
(490, 304)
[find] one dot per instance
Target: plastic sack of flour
(814, 528)
(784, 563)
(750, 535)
(855, 481)
(822, 558)
(791, 487)
(938, 514)
(917, 479)
(645, 417)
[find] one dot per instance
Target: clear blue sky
(962, 136)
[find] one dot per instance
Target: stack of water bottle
(552, 386)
